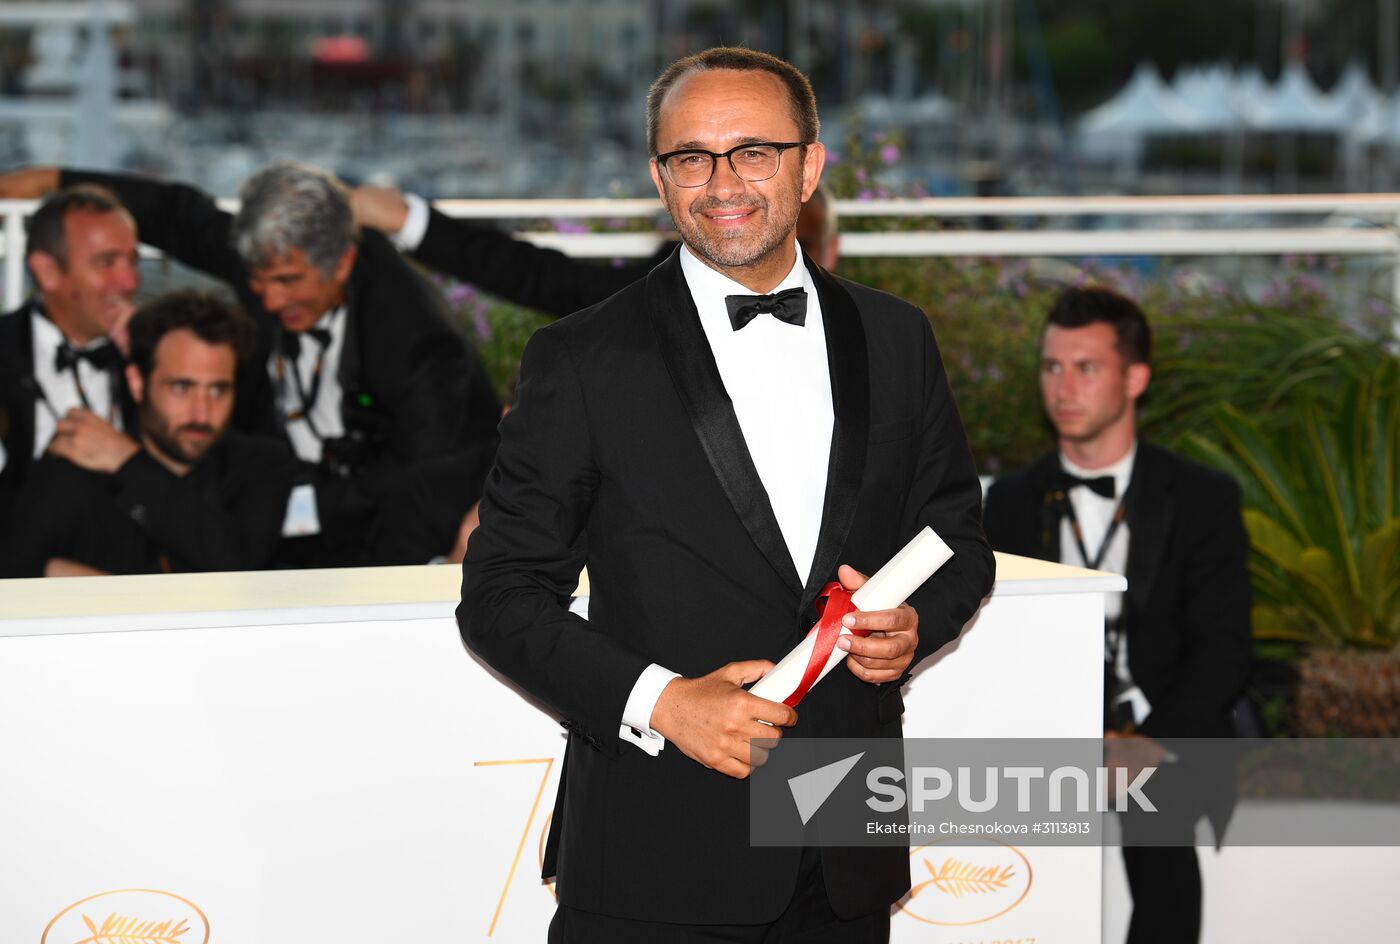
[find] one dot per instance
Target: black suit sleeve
(211, 520)
(947, 496)
(997, 517)
(1216, 646)
(56, 514)
(177, 219)
(519, 271)
(524, 560)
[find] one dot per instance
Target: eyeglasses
(693, 167)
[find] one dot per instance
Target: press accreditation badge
(302, 518)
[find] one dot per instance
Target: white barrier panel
(311, 756)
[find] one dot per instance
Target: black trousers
(808, 919)
(1165, 882)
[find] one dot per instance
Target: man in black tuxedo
(1177, 649)
(56, 352)
(181, 494)
(712, 457)
(422, 519)
(358, 362)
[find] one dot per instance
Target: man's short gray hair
(290, 205)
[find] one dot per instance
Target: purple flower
(481, 323)
(568, 226)
(889, 153)
(460, 294)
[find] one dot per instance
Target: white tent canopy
(1145, 106)
(1296, 104)
(1213, 97)
(1218, 100)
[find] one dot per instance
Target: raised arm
(482, 255)
(177, 219)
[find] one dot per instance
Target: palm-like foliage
(1257, 360)
(1322, 506)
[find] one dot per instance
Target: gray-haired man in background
(364, 370)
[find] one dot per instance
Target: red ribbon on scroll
(833, 603)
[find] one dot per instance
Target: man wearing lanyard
(56, 355)
(1177, 644)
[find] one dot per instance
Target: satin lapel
(1050, 509)
(351, 353)
(1151, 506)
(17, 358)
(691, 365)
(849, 367)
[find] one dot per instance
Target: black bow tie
(105, 357)
(291, 341)
(789, 306)
(1102, 485)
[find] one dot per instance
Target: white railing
(1338, 225)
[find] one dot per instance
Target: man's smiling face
(741, 228)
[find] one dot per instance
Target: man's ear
(1139, 375)
(136, 383)
(812, 164)
(345, 263)
(47, 272)
(656, 179)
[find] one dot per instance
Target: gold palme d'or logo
(955, 886)
(129, 916)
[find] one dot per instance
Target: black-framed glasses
(693, 167)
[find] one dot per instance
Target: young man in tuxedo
(712, 442)
(358, 363)
(1177, 644)
(56, 352)
(182, 492)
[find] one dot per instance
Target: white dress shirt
(776, 376)
(60, 390)
(1094, 514)
(415, 224)
(325, 410)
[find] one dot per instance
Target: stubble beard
(167, 440)
(738, 249)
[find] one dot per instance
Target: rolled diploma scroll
(888, 588)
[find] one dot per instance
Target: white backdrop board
(313, 755)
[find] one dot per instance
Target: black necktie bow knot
(1100, 485)
(290, 341)
(789, 306)
(105, 357)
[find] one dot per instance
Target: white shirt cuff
(636, 714)
(410, 235)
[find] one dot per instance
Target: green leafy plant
(1322, 506)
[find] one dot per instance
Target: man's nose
(200, 408)
(274, 297)
(126, 279)
(724, 183)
